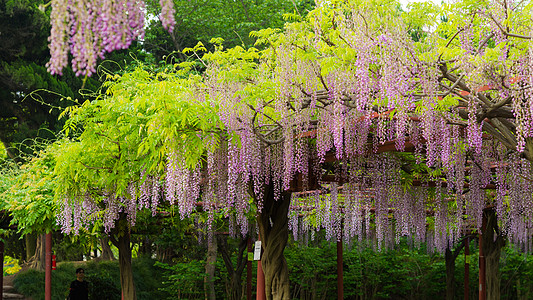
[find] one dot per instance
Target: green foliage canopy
(345, 61)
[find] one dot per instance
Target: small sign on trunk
(257, 250)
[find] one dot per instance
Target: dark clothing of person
(79, 290)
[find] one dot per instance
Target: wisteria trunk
(234, 282)
(31, 245)
(209, 280)
(37, 261)
(492, 245)
(126, 272)
(234, 287)
(274, 233)
(107, 254)
(121, 238)
(450, 274)
(451, 256)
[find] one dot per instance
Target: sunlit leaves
(28, 192)
(144, 117)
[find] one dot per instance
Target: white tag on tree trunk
(257, 250)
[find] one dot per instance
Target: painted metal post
(467, 268)
(340, 280)
(48, 267)
(249, 271)
(260, 292)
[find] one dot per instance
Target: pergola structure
(303, 187)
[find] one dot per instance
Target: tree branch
(225, 255)
(495, 107)
(450, 41)
(508, 136)
(505, 32)
(242, 247)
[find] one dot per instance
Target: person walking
(79, 288)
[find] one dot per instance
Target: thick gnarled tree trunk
(274, 233)
(37, 261)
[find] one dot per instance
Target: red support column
(467, 268)
(48, 267)
(249, 271)
(340, 280)
(260, 292)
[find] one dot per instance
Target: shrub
(184, 280)
(103, 278)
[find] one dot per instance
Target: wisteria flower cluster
(89, 29)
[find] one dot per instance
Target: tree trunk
(492, 245)
(145, 247)
(450, 274)
(107, 254)
(37, 262)
(164, 254)
(274, 233)
(234, 285)
(210, 265)
(8, 148)
(121, 238)
(124, 259)
(450, 257)
(31, 245)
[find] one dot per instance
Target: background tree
(32, 100)
(200, 21)
(28, 196)
(23, 55)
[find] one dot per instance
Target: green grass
(103, 278)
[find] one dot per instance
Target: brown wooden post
(249, 271)
(48, 267)
(467, 268)
(482, 277)
(340, 286)
(2, 268)
(482, 286)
